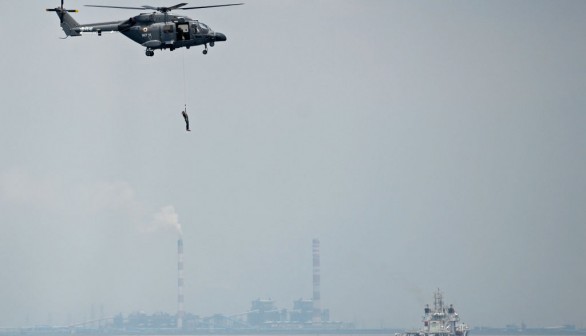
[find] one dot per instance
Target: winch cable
(184, 84)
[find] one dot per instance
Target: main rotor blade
(176, 6)
(165, 9)
(140, 8)
(199, 7)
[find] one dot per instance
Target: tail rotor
(60, 11)
(68, 23)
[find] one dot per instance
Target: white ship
(440, 321)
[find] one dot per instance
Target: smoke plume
(166, 219)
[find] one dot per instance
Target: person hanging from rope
(186, 117)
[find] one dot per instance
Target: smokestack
(180, 311)
(316, 317)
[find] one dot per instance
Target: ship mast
(438, 301)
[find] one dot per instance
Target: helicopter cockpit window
(203, 26)
(168, 28)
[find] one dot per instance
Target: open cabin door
(183, 31)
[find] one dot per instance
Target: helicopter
(154, 30)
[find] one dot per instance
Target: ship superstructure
(440, 320)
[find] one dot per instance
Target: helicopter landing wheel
(150, 53)
(205, 51)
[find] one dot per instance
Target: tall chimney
(180, 311)
(316, 317)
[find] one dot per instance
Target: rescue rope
(184, 84)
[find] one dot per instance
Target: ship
(440, 321)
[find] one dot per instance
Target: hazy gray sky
(425, 143)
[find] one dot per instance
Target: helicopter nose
(220, 37)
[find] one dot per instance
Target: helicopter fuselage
(155, 31)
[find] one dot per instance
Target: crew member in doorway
(184, 113)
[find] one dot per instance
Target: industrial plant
(263, 313)
(264, 316)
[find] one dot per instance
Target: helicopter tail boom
(68, 23)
